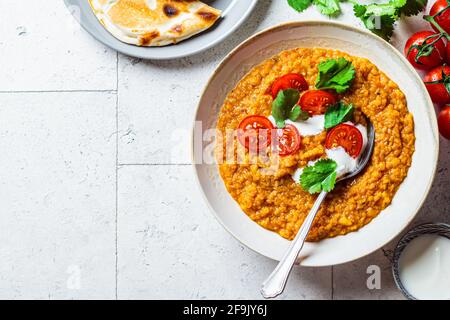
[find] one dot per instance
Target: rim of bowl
(200, 49)
(304, 23)
(438, 228)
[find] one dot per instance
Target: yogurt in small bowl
(421, 263)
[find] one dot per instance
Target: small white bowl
(440, 229)
(411, 194)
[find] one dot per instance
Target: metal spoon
(275, 283)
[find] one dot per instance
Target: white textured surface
(58, 173)
(170, 246)
(43, 48)
(57, 191)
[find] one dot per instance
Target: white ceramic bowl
(411, 193)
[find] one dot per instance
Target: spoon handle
(275, 283)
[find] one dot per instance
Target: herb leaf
(300, 5)
(328, 7)
(335, 74)
(379, 20)
(385, 9)
(283, 104)
(337, 114)
(321, 176)
(413, 7)
(298, 114)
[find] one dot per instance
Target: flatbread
(154, 22)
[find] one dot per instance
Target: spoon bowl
(366, 153)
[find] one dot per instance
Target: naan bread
(154, 22)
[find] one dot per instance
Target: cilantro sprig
(381, 17)
(379, 20)
(337, 74)
(300, 5)
(285, 107)
(326, 7)
(377, 17)
(319, 177)
(337, 114)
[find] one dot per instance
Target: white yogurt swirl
(345, 162)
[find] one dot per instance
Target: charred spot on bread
(147, 38)
(207, 15)
(170, 11)
(177, 28)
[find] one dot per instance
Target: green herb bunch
(377, 17)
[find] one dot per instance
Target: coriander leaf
(280, 123)
(383, 28)
(315, 188)
(335, 74)
(413, 7)
(378, 20)
(328, 7)
(329, 182)
(283, 104)
(320, 176)
(359, 10)
(337, 114)
(298, 114)
(385, 9)
(300, 5)
(377, 17)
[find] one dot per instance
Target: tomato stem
(445, 80)
(425, 49)
(432, 20)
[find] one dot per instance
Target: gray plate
(235, 13)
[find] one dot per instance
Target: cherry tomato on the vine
(443, 19)
(437, 81)
(444, 122)
(425, 49)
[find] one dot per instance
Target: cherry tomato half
(444, 122)
(425, 49)
(289, 81)
(443, 19)
(434, 83)
(316, 101)
(255, 132)
(288, 140)
(346, 136)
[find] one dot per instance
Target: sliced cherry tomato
(444, 122)
(425, 49)
(255, 132)
(317, 101)
(289, 81)
(346, 136)
(443, 19)
(288, 140)
(435, 81)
